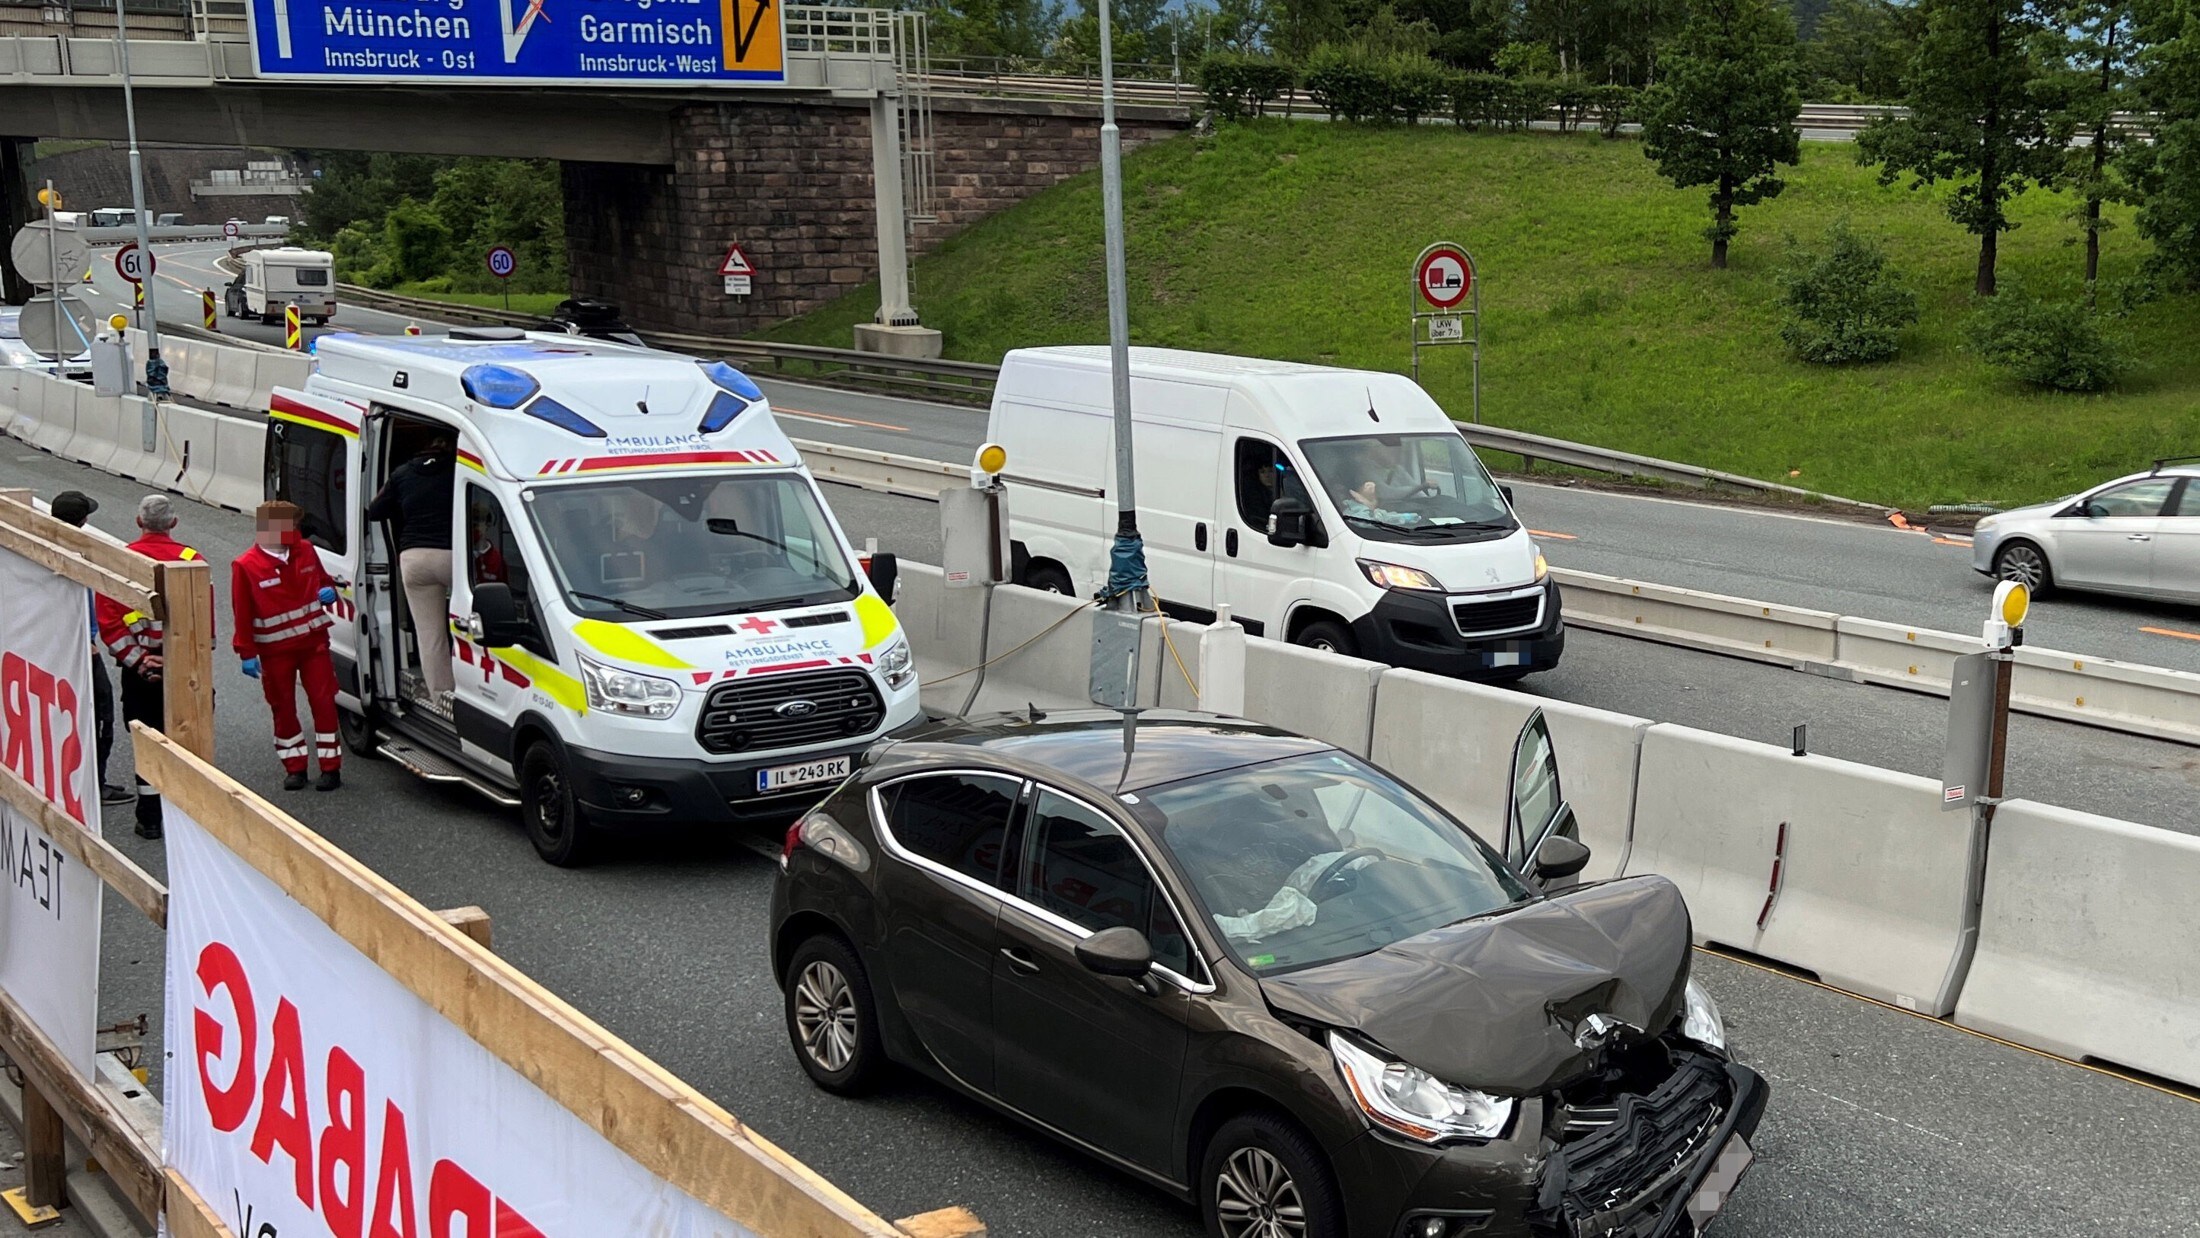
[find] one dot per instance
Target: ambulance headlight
(617, 691)
(498, 386)
(898, 664)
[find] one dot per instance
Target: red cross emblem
(758, 624)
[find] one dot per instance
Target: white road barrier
(1454, 741)
(2089, 945)
(1848, 871)
(1790, 635)
(1314, 693)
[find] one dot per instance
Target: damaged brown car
(1267, 976)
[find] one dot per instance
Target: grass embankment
(1602, 321)
(538, 303)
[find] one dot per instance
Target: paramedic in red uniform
(134, 638)
(277, 590)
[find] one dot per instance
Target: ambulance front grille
(770, 712)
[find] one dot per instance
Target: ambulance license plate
(780, 777)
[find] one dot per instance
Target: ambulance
(654, 617)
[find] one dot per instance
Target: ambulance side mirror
(884, 571)
(498, 615)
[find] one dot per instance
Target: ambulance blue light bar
(733, 380)
(498, 386)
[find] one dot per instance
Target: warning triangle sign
(736, 263)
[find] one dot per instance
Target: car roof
(1086, 746)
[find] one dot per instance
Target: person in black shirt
(418, 496)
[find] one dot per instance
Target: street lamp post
(1127, 587)
(156, 370)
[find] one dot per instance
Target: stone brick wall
(792, 185)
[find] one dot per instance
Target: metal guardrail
(971, 382)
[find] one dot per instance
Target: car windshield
(11, 324)
(1410, 487)
(1322, 857)
(677, 547)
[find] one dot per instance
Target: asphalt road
(185, 271)
(1881, 1122)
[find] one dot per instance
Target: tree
(1976, 117)
(2164, 174)
(1842, 304)
(1858, 50)
(1723, 111)
(2090, 47)
(995, 28)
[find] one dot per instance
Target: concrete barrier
(240, 470)
(2088, 945)
(1453, 741)
(2143, 700)
(1313, 693)
(1169, 668)
(132, 459)
(1790, 635)
(1040, 647)
(11, 382)
(1899, 656)
(1872, 882)
(49, 412)
(191, 435)
(236, 374)
(97, 429)
(946, 631)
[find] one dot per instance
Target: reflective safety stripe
(275, 621)
(877, 619)
(556, 684)
(290, 746)
(188, 554)
(314, 624)
(624, 643)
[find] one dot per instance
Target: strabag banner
(522, 42)
(49, 903)
(310, 1093)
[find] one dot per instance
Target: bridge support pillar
(895, 330)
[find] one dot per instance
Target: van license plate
(1510, 657)
(780, 777)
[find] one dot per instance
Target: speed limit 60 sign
(134, 264)
(502, 262)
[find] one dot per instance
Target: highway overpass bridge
(824, 177)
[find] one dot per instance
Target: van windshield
(1410, 487)
(678, 547)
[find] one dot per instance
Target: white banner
(49, 903)
(310, 1093)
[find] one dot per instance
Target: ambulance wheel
(360, 739)
(555, 823)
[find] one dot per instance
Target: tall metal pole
(156, 370)
(1127, 585)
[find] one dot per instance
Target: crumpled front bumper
(1676, 1195)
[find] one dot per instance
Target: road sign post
(739, 272)
(502, 262)
(1447, 296)
(230, 231)
(206, 307)
(293, 333)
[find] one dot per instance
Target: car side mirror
(1560, 857)
(498, 615)
(1119, 951)
(884, 572)
(1287, 521)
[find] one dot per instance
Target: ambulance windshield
(678, 547)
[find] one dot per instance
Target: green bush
(1529, 99)
(1616, 106)
(1351, 83)
(1572, 98)
(1478, 99)
(1419, 87)
(1842, 304)
(1240, 84)
(2059, 345)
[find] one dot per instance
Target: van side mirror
(884, 572)
(1560, 857)
(1119, 951)
(498, 614)
(1507, 491)
(1287, 521)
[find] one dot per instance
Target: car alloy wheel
(2023, 563)
(825, 1016)
(1256, 1197)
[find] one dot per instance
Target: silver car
(2138, 536)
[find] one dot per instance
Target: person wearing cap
(134, 639)
(76, 507)
(278, 595)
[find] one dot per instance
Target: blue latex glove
(251, 668)
(328, 595)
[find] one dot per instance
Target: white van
(655, 617)
(269, 279)
(1333, 508)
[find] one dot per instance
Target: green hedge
(1240, 84)
(1352, 82)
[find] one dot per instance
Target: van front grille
(1498, 615)
(789, 711)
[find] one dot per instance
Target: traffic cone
(87, 273)
(412, 328)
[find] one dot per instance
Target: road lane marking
(1951, 541)
(1564, 537)
(1796, 1083)
(2172, 632)
(835, 419)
